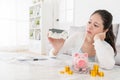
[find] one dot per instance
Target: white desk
(11, 69)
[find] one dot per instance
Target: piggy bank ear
(86, 54)
(76, 54)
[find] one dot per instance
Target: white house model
(58, 34)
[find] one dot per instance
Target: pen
(37, 59)
(34, 59)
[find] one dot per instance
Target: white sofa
(116, 30)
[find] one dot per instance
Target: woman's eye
(96, 25)
(89, 22)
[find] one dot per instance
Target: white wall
(83, 9)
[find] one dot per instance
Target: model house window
(66, 13)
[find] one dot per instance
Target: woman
(97, 41)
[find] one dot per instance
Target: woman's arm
(69, 43)
(104, 51)
(104, 54)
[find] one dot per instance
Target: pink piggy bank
(80, 62)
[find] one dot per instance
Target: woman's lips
(89, 32)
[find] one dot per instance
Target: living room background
(14, 17)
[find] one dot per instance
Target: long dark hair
(107, 22)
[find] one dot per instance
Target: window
(14, 24)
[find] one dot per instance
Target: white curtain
(14, 22)
(7, 23)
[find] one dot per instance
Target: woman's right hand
(56, 44)
(101, 36)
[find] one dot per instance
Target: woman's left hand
(100, 36)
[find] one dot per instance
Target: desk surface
(13, 69)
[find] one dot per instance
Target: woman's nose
(90, 27)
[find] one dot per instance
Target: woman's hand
(56, 43)
(100, 36)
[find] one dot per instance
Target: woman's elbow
(108, 65)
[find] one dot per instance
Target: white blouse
(104, 51)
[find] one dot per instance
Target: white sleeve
(70, 43)
(104, 54)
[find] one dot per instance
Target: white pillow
(74, 29)
(118, 38)
(115, 29)
(117, 57)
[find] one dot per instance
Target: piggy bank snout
(81, 63)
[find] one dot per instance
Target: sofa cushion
(118, 38)
(74, 29)
(115, 29)
(117, 57)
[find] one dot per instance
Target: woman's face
(94, 25)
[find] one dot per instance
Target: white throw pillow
(74, 29)
(115, 29)
(117, 57)
(118, 38)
